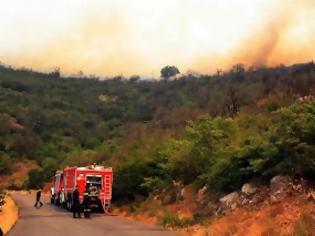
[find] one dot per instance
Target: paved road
(51, 220)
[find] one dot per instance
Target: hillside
(282, 207)
(218, 130)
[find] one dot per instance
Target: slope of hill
(242, 125)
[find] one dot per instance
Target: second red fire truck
(98, 179)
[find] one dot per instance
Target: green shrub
(36, 178)
(5, 163)
(129, 180)
(294, 133)
(174, 221)
(225, 153)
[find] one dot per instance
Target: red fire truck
(98, 179)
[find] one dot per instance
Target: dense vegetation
(219, 130)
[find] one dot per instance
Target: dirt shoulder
(8, 215)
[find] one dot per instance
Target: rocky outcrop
(207, 202)
(168, 198)
(280, 186)
(172, 194)
(250, 195)
(248, 189)
(280, 183)
(182, 194)
(231, 200)
(311, 195)
(202, 197)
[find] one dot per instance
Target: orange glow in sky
(110, 37)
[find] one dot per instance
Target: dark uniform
(86, 204)
(76, 203)
(38, 195)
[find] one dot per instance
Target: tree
(23, 144)
(169, 71)
(55, 73)
(134, 78)
(206, 141)
(49, 165)
(5, 163)
(232, 103)
(293, 134)
(35, 178)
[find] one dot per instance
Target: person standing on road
(86, 203)
(38, 196)
(76, 202)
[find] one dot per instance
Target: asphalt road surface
(51, 220)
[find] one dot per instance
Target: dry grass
(292, 216)
(9, 215)
(304, 226)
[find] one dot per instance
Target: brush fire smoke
(287, 36)
(139, 37)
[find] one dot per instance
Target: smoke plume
(140, 37)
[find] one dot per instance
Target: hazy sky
(110, 37)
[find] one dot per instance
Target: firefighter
(86, 202)
(76, 202)
(38, 196)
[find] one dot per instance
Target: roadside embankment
(8, 214)
(285, 207)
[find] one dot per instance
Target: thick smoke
(272, 44)
(286, 36)
(191, 36)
